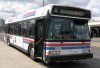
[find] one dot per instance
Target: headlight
(86, 50)
(55, 52)
(51, 53)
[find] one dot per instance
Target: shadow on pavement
(89, 63)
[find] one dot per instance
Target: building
(95, 28)
(2, 24)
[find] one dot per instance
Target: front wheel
(32, 54)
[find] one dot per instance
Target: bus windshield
(81, 31)
(60, 28)
(67, 29)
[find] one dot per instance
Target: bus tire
(31, 53)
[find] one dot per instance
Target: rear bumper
(69, 57)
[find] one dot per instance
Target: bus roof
(40, 12)
(31, 14)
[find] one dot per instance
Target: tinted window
(60, 28)
(19, 28)
(31, 28)
(16, 28)
(10, 28)
(25, 29)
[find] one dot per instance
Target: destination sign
(70, 11)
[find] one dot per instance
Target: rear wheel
(8, 42)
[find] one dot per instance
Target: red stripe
(29, 13)
(78, 44)
(28, 40)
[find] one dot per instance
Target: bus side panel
(17, 40)
(26, 42)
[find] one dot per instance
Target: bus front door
(39, 38)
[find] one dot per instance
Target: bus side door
(39, 37)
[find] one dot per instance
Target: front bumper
(69, 57)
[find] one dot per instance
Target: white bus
(51, 33)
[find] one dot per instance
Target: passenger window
(25, 29)
(31, 29)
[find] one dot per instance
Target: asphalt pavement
(11, 57)
(2, 37)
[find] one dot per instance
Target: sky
(10, 8)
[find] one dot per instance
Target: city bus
(53, 33)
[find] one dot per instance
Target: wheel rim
(32, 53)
(8, 43)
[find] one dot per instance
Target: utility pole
(13, 12)
(43, 2)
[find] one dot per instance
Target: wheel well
(8, 39)
(29, 47)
